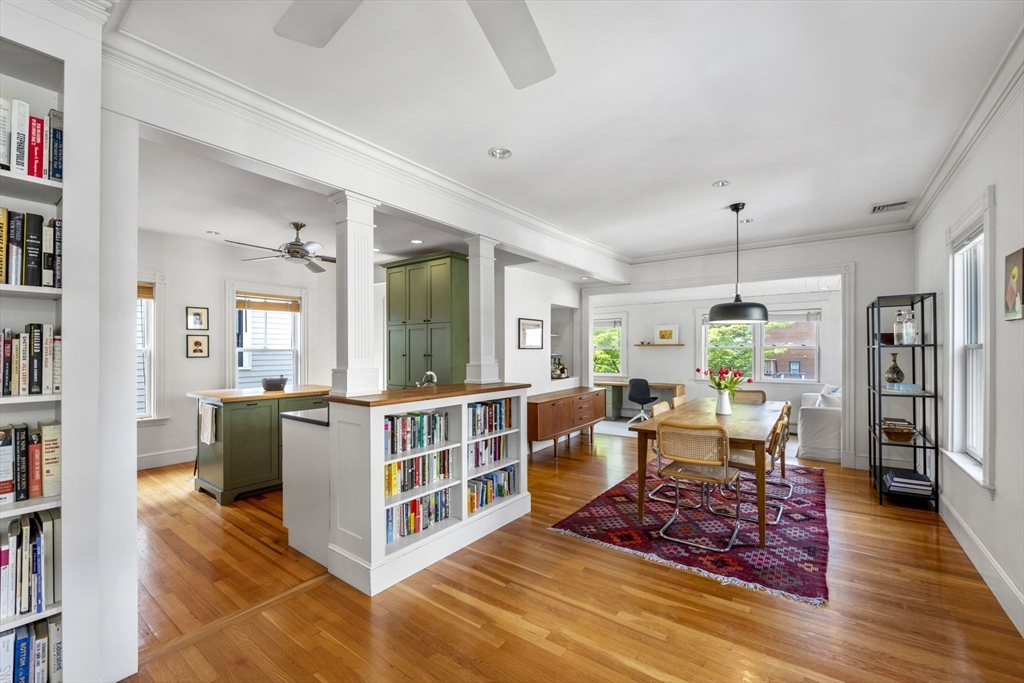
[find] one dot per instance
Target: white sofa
(819, 429)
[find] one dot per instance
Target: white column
(355, 374)
(483, 366)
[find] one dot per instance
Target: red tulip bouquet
(725, 379)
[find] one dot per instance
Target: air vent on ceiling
(890, 206)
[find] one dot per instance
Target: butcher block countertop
(257, 394)
(394, 396)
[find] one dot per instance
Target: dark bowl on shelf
(274, 383)
(899, 434)
(886, 338)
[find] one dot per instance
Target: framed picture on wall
(666, 334)
(1012, 308)
(531, 333)
(197, 318)
(197, 345)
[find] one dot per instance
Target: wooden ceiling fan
(295, 251)
(507, 24)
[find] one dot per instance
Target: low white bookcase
(359, 551)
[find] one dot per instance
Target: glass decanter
(899, 329)
(910, 329)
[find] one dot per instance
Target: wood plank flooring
(223, 598)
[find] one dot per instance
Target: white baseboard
(1010, 598)
(150, 460)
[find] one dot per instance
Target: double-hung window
(266, 338)
(144, 351)
(608, 341)
(968, 338)
(783, 349)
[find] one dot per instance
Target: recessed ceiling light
(720, 183)
(584, 278)
(747, 220)
(376, 248)
(499, 152)
(416, 241)
(212, 232)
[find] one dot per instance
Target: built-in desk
(617, 389)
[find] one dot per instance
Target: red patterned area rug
(792, 563)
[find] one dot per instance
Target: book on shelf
(482, 491)
(5, 135)
(20, 438)
(35, 357)
(414, 430)
(15, 240)
(406, 475)
(30, 564)
(51, 434)
(23, 354)
(19, 137)
(3, 245)
(8, 367)
(58, 252)
(30, 462)
(487, 451)
(48, 254)
(7, 656)
(32, 252)
(6, 465)
(35, 146)
(40, 653)
(22, 654)
(56, 156)
(35, 463)
(907, 482)
(47, 369)
(58, 350)
(489, 416)
(55, 638)
(417, 515)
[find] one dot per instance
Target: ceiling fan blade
(315, 22)
(326, 259)
(312, 246)
(262, 258)
(514, 37)
(254, 246)
(315, 267)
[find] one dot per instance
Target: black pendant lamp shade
(738, 311)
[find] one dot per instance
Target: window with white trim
(608, 340)
(783, 349)
(266, 338)
(144, 351)
(969, 343)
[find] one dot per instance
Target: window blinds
(249, 301)
(145, 290)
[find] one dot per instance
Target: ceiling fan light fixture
(747, 220)
(720, 183)
(416, 241)
(499, 152)
(738, 311)
(212, 232)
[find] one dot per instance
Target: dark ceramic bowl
(274, 383)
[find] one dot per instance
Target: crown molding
(139, 59)
(863, 231)
(1002, 90)
(93, 10)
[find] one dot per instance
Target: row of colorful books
(490, 416)
(480, 453)
(33, 653)
(31, 145)
(482, 491)
(406, 475)
(32, 361)
(30, 461)
(30, 564)
(417, 515)
(414, 430)
(907, 482)
(31, 253)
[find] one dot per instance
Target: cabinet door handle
(249, 405)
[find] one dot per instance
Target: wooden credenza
(555, 414)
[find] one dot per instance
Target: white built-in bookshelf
(28, 74)
(366, 548)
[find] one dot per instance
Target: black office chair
(640, 392)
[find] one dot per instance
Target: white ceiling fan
(294, 252)
(507, 24)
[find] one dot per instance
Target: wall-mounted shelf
(30, 188)
(656, 345)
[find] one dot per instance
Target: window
(266, 338)
(144, 351)
(785, 348)
(608, 341)
(969, 325)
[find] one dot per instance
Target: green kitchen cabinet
(428, 296)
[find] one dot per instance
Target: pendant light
(738, 311)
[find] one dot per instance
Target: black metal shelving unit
(924, 370)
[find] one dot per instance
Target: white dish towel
(208, 428)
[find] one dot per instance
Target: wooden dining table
(749, 427)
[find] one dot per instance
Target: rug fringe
(726, 580)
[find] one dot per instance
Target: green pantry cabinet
(428, 319)
(245, 456)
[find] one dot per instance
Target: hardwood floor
(223, 598)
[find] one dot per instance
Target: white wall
(989, 528)
(195, 272)
(677, 364)
(530, 295)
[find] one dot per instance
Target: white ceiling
(752, 291)
(813, 110)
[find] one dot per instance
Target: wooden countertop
(562, 393)
(394, 396)
(256, 394)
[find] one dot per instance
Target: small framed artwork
(197, 345)
(531, 333)
(197, 318)
(666, 334)
(1012, 309)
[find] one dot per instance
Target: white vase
(724, 406)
